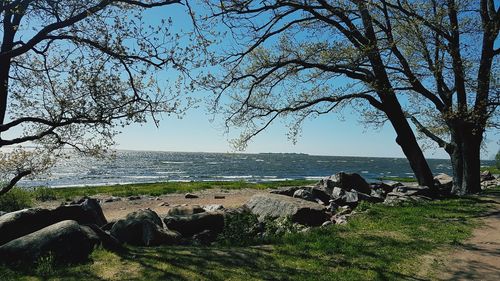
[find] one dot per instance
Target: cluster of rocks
(70, 232)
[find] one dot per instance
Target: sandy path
(479, 257)
(161, 204)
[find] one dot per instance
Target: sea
(152, 166)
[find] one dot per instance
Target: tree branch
(14, 181)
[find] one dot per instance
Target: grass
(399, 179)
(382, 243)
(156, 189)
(493, 169)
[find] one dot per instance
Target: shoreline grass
(381, 243)
(398, 179)
(157, 189)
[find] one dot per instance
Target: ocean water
(144, 166)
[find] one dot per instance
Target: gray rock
(111, 199)
(196, 223)
(2, 213)
(304, 194)
(487, 176)
(279, 206)
(445, 182)
(85, 211)
(288, 191)
(337, 192)
(327, 223)
(16, 224)
(66, 240)
(213, 208)
(190, 196)
(134, 197)
(185, 210)
(344, 181)
(143, 228)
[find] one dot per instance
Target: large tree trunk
(465, 159)
(472, 151)
(407, 141)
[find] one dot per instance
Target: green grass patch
(156, 189)
(382, 243)
(492, 169)
(398, 179)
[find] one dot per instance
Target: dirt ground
(161, 204)
(479, 257)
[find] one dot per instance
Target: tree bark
(465, 159)
(407, 141)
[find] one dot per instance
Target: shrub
(45, 194)
(16, 199)
(240, 229)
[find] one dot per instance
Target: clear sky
(325, 135)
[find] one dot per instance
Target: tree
(389, 59)
(73, 72)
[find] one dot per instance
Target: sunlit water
(142, 166)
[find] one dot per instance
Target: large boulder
(143, 228)
(66, 241)
(344, 181)
(193, 224)
(85, 211)
(278, 206)
(19, 223)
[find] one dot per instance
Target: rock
(16, 224)
(206, 237)
(143, 228)
(2, 213)
(192, 224)
(133, 198)
(487, 176)
(337, 192)
(111, 199)
(304, 194)
(185, 210)
(407, 194)
(390, 185)
(342, 219)
(190, 196)
(445, 182)
(288, 191)
(109, 225)
(66, 240)
(344, 181)
(279, 206)
(85, 211)
(327, 223)
(219, 197)
(213, 208)
(163, 204)
(378, 193)
(19, 223)
(107, 241)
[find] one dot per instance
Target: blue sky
(325, 135)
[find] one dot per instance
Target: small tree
(73, 72)
(391, 60)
